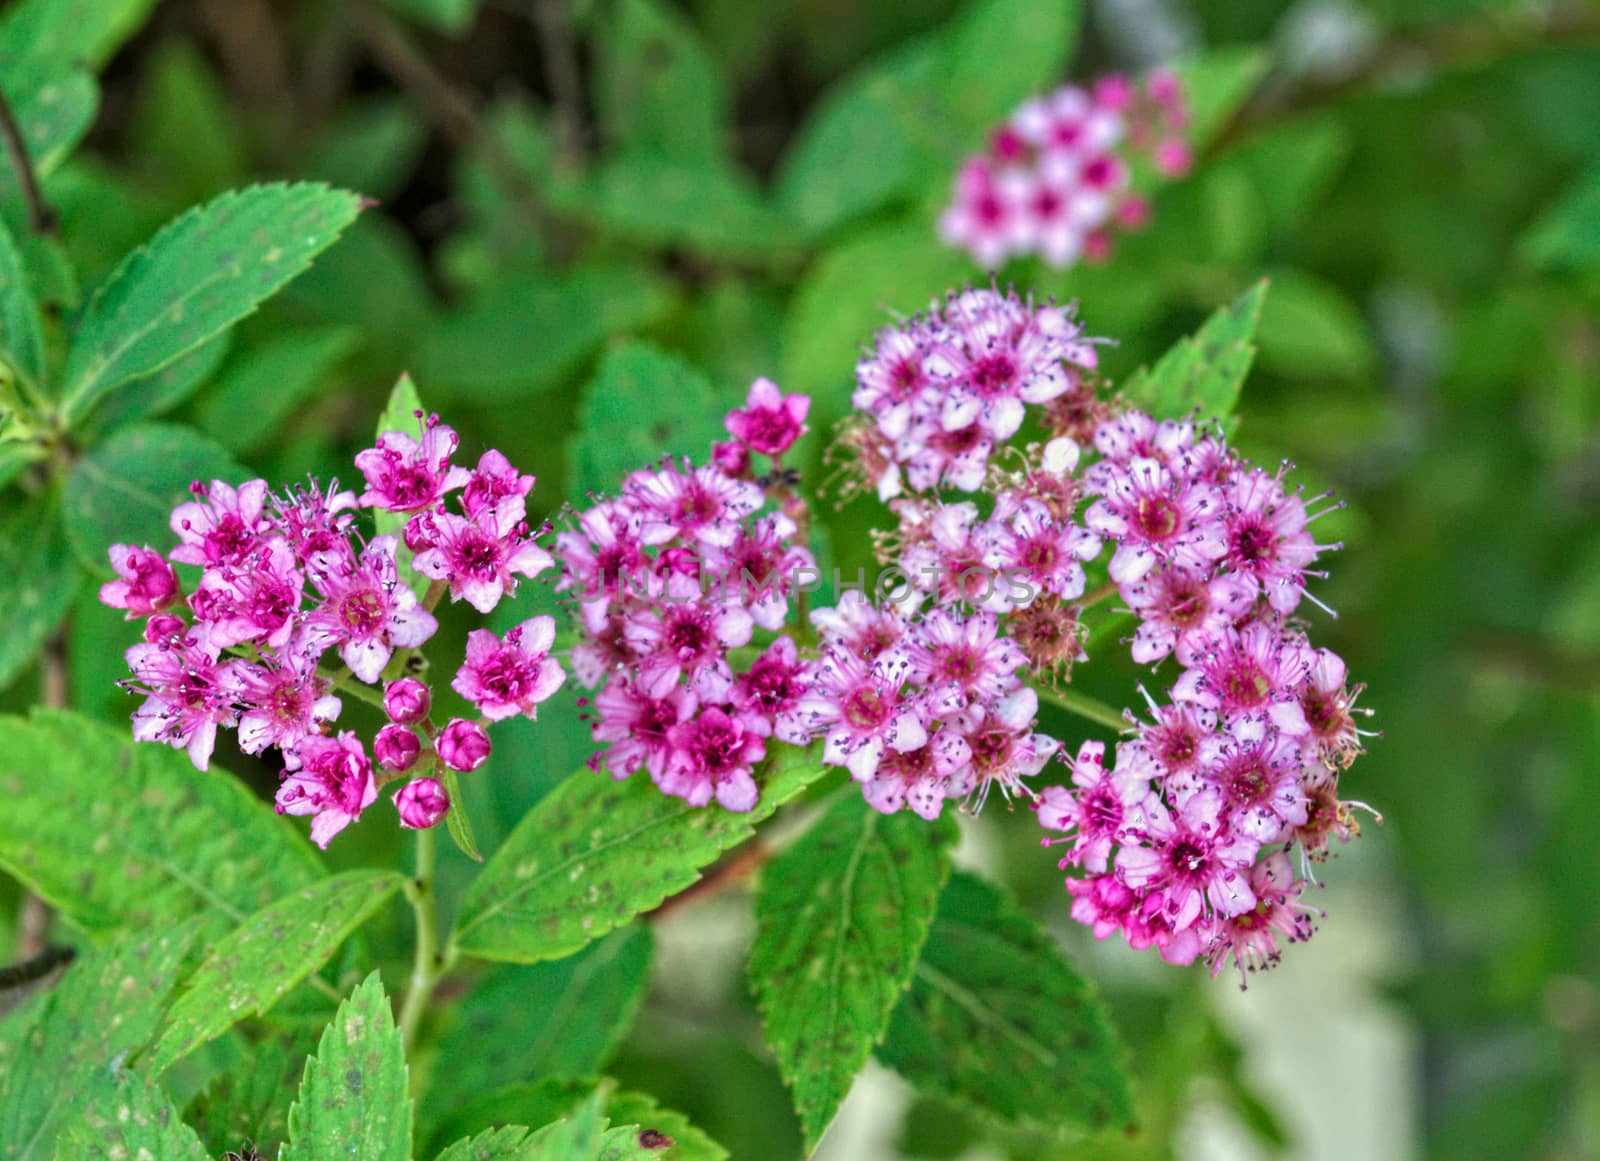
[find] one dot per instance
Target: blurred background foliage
(597, 221)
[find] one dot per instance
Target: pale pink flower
(367, 612)
(404, 475)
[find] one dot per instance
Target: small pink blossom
(481, 557)
(493, 481)
(187, 693)
(636, 726)
(769, 422)
(396, 747)
(507, 677)
(711, 757)
(367, 612)
(330, 778)
(220, 525)
(404, 475)
(422, 803)
(407, 701)
(145, 582)
(281, 699)
(462, 745)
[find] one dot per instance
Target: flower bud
(406, 701)
(422, 802)
(732, 457)
(462, 745)
(163, 627)
(396, 747)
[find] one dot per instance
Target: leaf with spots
(586, 1003)
(119, 835)
(249, 969)
(997, 1021)
(596, 852)
(841, 917)
(353, 1101)
(576, 1137)
(122, 1115)
(52, 1048)
(250, 1100)
(669, 1133)
(38, 580)
(123, 491)
(1203, 373)
(201, 274)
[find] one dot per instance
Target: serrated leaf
(642, 404)
(123, 490)
(596, 852)
(106, 1006)
(536, 1103)
(159, 393)
(21, 333)
(1203, 373)
(632, 1143)
(52, 119)
(264, 384)
(38, 581)
(125, 835)
(644, 1114)
(250, 1101)
(248, 969)
(657, 89)
(997, 1021)
(565, 1018)
(576, 1137)
(44, 40)
(841, 917)
(198, 276)
(121, 1115)
(518, 337)
(353, 1100)
(1034, 38)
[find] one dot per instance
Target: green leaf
(1568, 234)
(248, 969)
(643, 1113)
(1003, 51)
(452, 17)
(186, 138)
(841, 918)
(595, 852)
(458, 822)
(370, 145)
(850, 292)
(106, 1006)
(265, 384)
(198, 276)
(586, 1004)
(998, 1022)
(539, 1102)
(642, 404)
(861, 148)
(1205, 372)
(576, 1137)
(123, 491)
(125, 835)
(353, 1100)
(38, 581)
(122, 1115)
(1309, 330)
(52, 119)
(159, 393)
(710, 209)
(518, 337)
(657, 89)
(251, 1100)
(21, 333)
(44, 40)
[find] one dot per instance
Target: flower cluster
(941, 392)
(1185, 841)
(673, 579)
(1056, 177)
(286, 580)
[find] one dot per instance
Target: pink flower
(732, 457)
(316, 524)
(1243, 671)
(510, 677)
(1156, 516)
(1005, 748)
(462, 745)
(406, 476)
(492, 482)
(330, 778)
(702, 505)
(406, 701)
(979, 220)
(711, 756)
(922, 778)
(145, 582)
(1257, 771)
(863, 711)
(187, 694)
(1251, 937)
(1101, 805)
(220, 525)
(367, 612)
(769, 422)
(1322, 715)
(767, 695)
(1043, 552)
(422, 803)
(1192, 859)
(1267, 538)
(637, 726)
(481, 557)
(1180, 607)
(281, 699)
(682, 634)
(396, 747)
(256, 599)
(967, 654)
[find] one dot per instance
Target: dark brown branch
(41, 218)
(35, 967)
(1445, 46)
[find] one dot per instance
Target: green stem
(342, 683)
(1085, 707)
(1094, 596)
(428, 964)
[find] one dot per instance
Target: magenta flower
(330, 778)
(507, 677)
(967, 654)
(1192, 859)
(422, 803)
(710, 757)
(1267, 538)
(602, 552)
(980, 220)
(636, 726)
(863, 711)
(220, 525)
(462, 745)
(281, 700)
(684, 635)
(494, 480)
(701, 505)
(317, 525)
(1043, 552)
(187, 694)
(922, 778)
(1181, 607)
(145, 582)
(407, 701)
(1257, 770)
(404, 475)
(767, 695)
(367, 612)
(1155, 516)
(1243, 671)
(396, 747)
(254, 600)
(1005, 748)
(481, 557)
(1101, 805)
(1322, 714)
(769, 422)
(1251, 938)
